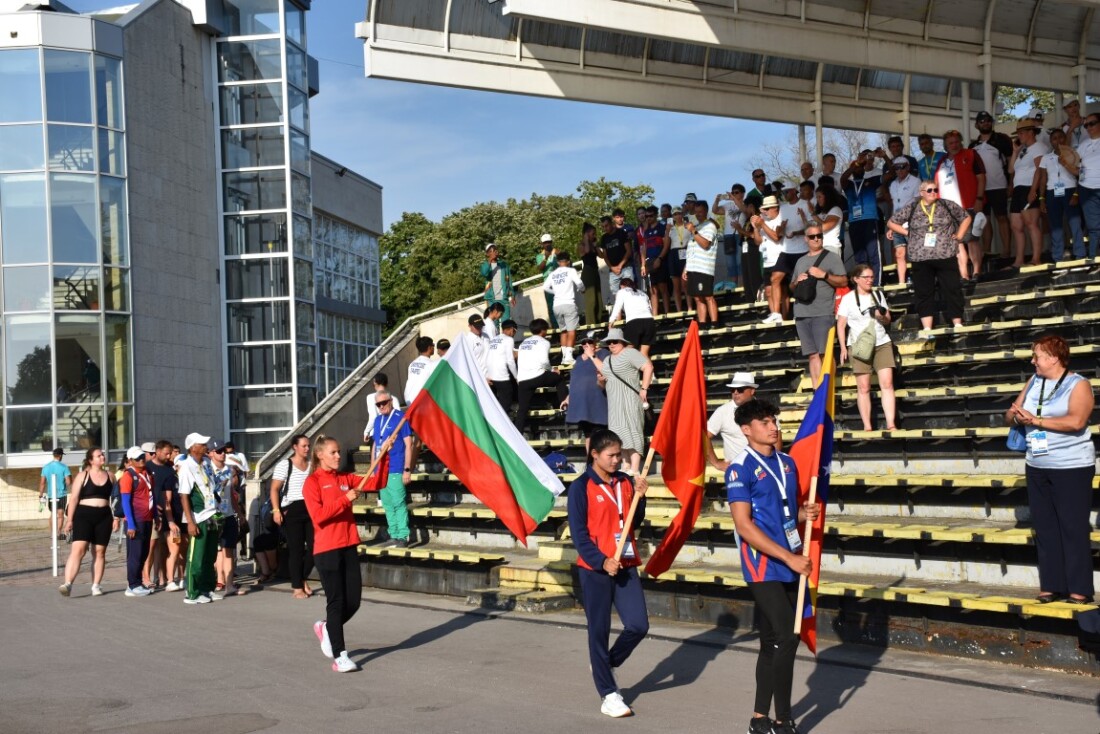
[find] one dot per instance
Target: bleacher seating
(928, 543)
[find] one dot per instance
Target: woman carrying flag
(762, 489)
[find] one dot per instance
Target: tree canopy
(425, 264)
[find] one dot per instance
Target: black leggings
(751, 276)
(778, 644)
(343, 584)
(298, 529)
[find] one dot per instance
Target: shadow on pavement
(687, 661)
(420, 638)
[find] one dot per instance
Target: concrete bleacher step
(521, 600)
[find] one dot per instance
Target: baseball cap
(901, 161)
(490, 246)
(546, 238)
(475, 320)
(983, 115)
(690, 198)
(194, 438)
(59, 451)
(135, 452)
(216, 445)
(148, 447)
(591, 337)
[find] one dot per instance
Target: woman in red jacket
(329, 495)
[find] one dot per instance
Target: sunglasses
(743, 389)
(930, 191)
(217, 451)
(758, 175)
(380, 403)
(140, 458)
(1092, 123)
(815, 236)
(864, 277)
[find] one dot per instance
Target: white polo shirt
(501, 359)
(420, 369)
(534, 358)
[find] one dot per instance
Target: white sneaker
(137, 591)
(201, 599)
(344, 664)
(97, 590)
(321, 630)
(614, 706)
(173, 586)
(215, 596)
(65, 589)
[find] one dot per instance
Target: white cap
(491, 245)
(901, 161)
(742, 379)
(546, 238)
(194, 438)
(148, 447)
(135, 452)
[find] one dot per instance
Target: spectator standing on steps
(904, 189)
(393, 433)
(995, 149)
(545, 262)
(1023, 211)
(631, 304)
(722, 423)
(501, 365)
(53, 488)
(381, 383)
(627, 375)
(858, 309)
(594, 311)
(562, 286)
(533, 371)
(860, 183)
(497, 275)
(586, 406)
(617, 250)
(813, 319)
(420, 369)
(1058, 197)
(289, 511)
(701, 258)
(653, 239)
(1088, 184)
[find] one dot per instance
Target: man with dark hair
(54, 484)
(699, 271)
(762, 490)
(533, 371)
(590, 276)
(441, 347)
(860, 184)
(420, 369)
(761, 188)
(930, 157)
(501, 364)
(617, 250)
(498, 279)
(479, 342)
(654, 245)
(563, 284)
(995, 148)
(734, 213)
(166, 549)
(895, 148)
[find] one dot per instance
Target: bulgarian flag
(458, 417)
(680, 438)
(812, 452)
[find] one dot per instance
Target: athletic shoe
(344, 664)
(614, 706)
(65, 589)
(97, 590)
(787, 727)
(321, 630)
(201, 599)
(761, 725)
(173, 586)
(215, 596)
(137, 591)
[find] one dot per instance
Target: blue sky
(436, 150)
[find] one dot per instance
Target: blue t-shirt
(56, 469)
(384, 426)
(749, 480)
(862, 202)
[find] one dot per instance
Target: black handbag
(649, 417)
(805, 291)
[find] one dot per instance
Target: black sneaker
(401, 543)
(787, 727)
(761, 725)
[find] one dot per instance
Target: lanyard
(382, 431)
(617, 499)
(780, 481)
(1042, 393)
(858, 188)
(928, 166)
(930, 213)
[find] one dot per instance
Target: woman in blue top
(762, 489)
(1054, 408)
(586, 405)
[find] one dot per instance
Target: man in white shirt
(1088, 180)
(903, 189)
(563, 284)
(501, 364)
(420, 369)
(795, 213)
(479, 343)
(721, 422)
(533, 371)
(196, 490)
(381, 384)
(768, 231)
(699, 271)
(1023, 210)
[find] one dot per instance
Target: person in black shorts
(90, 520)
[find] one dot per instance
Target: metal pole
(53, 519)
(326, 373)
(802, 157)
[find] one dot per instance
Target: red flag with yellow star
(680, 439)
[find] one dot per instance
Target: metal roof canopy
(895, 66)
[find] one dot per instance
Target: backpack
(805, 291)
(116, 497)
(267, 510)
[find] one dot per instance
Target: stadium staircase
(928, 543)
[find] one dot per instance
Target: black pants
(927, 274)
(1059, 500)
(778, 644)
(505, 392)
(298, 529)
(137, 550)
(342, 581)
(527, 388)
(751, 275)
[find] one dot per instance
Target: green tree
(1017, 101)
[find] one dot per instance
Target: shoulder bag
(805, 291)
(863, 348)
(1017, 435)
(649, 421)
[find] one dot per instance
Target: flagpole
(806, 552)
(633, 506)
(384, 449)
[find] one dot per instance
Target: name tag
(793, 541)
(857, 211)
(1037, 442)
(930, 239)
(628, 549)
(1059, 189)
(683, 253)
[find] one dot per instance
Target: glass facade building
(64, 247)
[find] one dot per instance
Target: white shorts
(567, 316)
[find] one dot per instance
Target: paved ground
(155, 665)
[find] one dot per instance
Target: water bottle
(42, 503)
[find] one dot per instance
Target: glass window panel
(79, 426)
(301, 200)
(120, 427)
(253, 146)
(68, 86)
(259, 365)
(113, 226)
(245, 60)
(116, 365)
(23, 217)
(256, 322)
(73, 218)
(27, 288)
(252, 104)
(79, 363)
(299, 109)
(76, 287)
(264, 408)
(303, 279)
(116, 289)
(252, 190)
(255, 445)
(307, 364)
(297, 70)
(255, 234)
(303, 240)
(20, 146)
(307, 399)
(299, 151)
(303, 318)
(28, 377)
(30, 430)
(251, 17)
(296, 24)
(262, 278)
(108, 91)
(112, 152)
(20, 85)
(71, 148)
